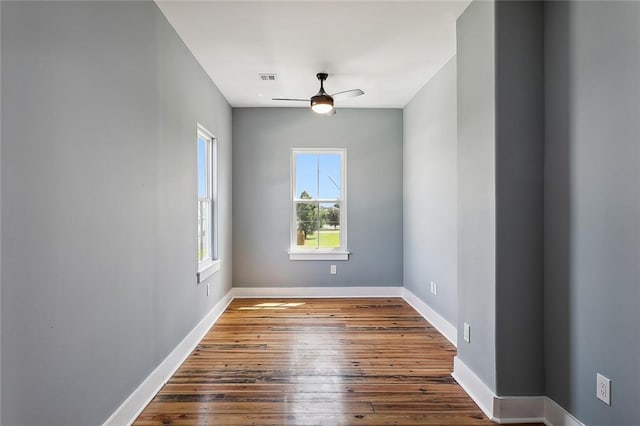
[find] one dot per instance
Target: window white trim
(340, 253)
(207, 268)
(319, 255)
(211, 264)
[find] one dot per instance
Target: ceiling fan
(322, 102)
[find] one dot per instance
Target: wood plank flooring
(317, 362)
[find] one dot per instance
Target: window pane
(318, 176)
(329, 232)
(330, 176)
(202, 167)
(307, 225)
(204, 230)
(199, 233)
(306, 176)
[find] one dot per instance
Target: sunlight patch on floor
(270, 306)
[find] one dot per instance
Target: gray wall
(0, 218)
(99, 104)
(500, 181)
(519, 197)
(263, 138)
(430, 193)
(592, 207)
(476, 188)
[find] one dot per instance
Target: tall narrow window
(318, 205)
(207, 207)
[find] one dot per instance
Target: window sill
(206, 269)
(297, 255)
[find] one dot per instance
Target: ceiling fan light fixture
(322, 104)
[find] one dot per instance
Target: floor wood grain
(317, 362)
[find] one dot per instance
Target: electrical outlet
(208, 289)
(467, 333)
(435, 289)
(333, 270)
(603, 388)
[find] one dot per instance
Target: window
(208, 262)
(318, 205)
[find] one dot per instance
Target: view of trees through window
(318, 200)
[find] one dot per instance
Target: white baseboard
(519, 409)
(555, 415)
(512, 409)
(474, 387)
(447, 329)
(138, 400)
(314, 292)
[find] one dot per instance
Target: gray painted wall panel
(476, 188)
(519, 197)
(263, 138)
(100, 104)
(430, 193)
(592, 206)
(557, 204)
(0, 217)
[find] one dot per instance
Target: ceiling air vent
(268, 77)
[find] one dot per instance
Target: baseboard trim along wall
(512, 409)
(555, 415)
(138, 400)
(445, 328)
(474, 387)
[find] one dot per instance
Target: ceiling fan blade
(348, 94)
(290, 99)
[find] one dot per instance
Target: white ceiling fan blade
(348, 94)
(290, 99)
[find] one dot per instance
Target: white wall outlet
(333, 270)
(467, 333)
(603, 389)
(208, 289)
(435, 289)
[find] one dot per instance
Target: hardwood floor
(317, 362)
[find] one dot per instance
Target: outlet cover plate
(603, 388)
(467, 333)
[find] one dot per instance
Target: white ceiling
(389, 49)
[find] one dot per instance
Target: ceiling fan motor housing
(321, 98)
(322, 102)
